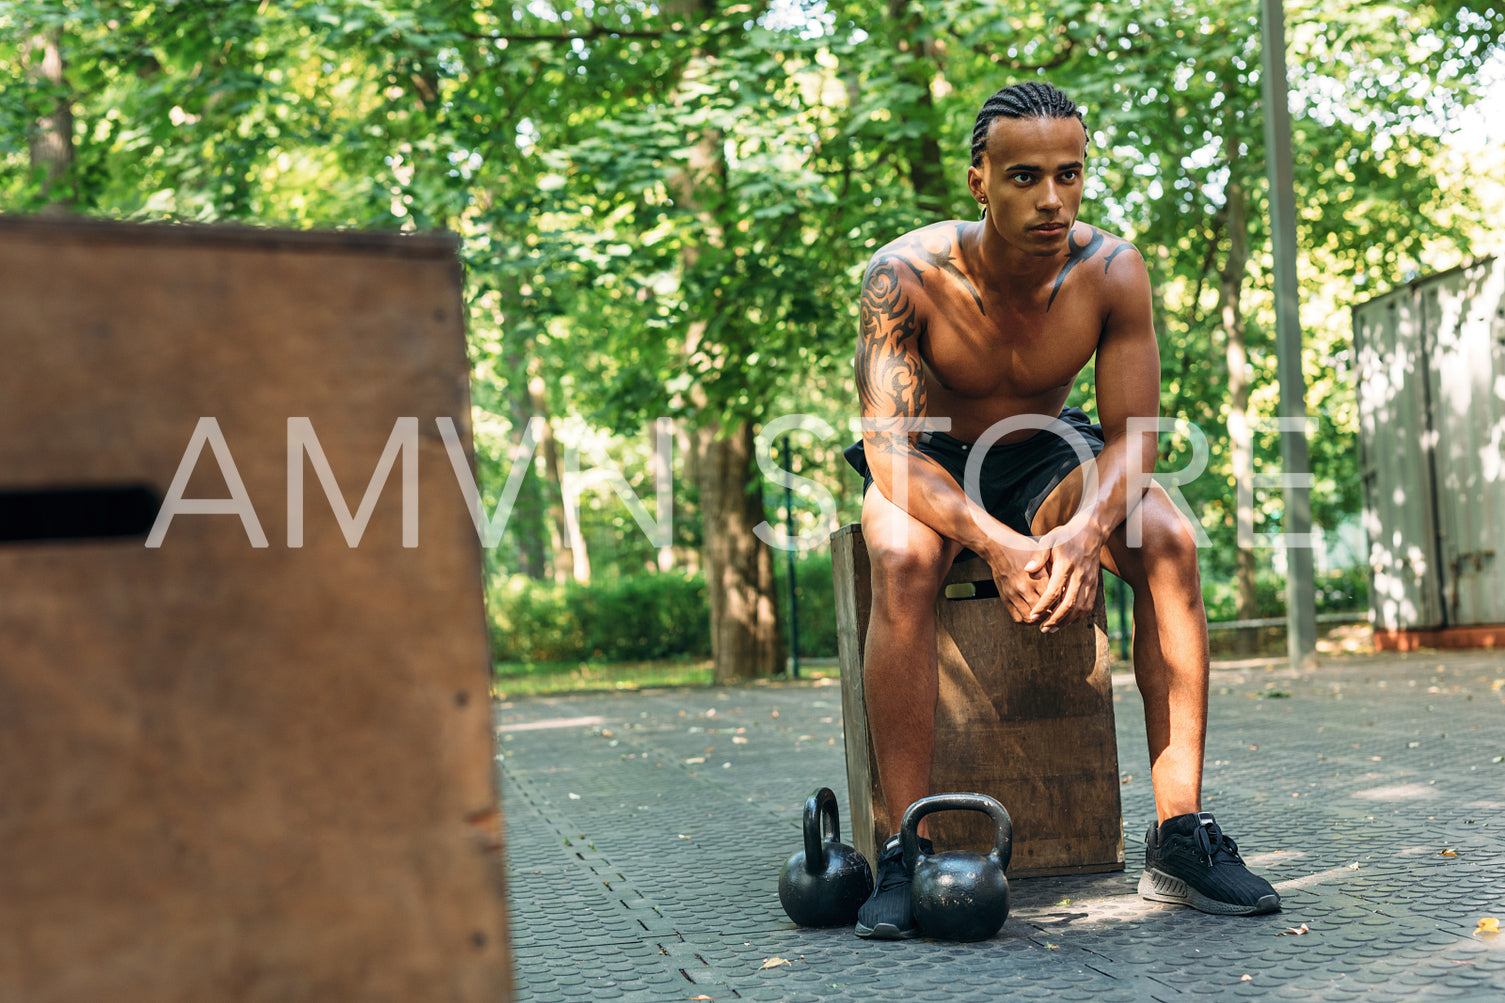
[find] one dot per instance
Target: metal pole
(1301, 601)
(794, 606)
(1123, 618)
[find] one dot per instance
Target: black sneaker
(887, 914)
(1188, 860)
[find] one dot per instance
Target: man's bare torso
(992, 350)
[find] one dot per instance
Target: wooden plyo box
(1024, 717)
(237, 772)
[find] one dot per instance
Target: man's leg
(1170, 637)
(1170, 650)
(1171, 670)
(900, 686)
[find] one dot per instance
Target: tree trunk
(1241, 440)
(527, 522)
(926, 173)
(571, 561)
(738, 566)
(51, 138)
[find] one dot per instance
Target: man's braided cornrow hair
(1031, 99)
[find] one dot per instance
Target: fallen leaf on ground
(776, 962)
(1246, 977)
(1488, 924)
(1292, 931)
(1448, 853)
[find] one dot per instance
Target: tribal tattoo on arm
(889, 379)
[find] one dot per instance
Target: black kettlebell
(826, 882)
(957, 894)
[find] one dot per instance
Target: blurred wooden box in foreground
(229, 771)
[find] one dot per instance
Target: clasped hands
(1053, 582)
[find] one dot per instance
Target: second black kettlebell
(957, 894)
(825, 883)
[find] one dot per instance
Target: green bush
(642, 617)
(630, 619)
(815, 594)
(1342, 591)
(1220, 596)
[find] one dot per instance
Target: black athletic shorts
(1015, 477)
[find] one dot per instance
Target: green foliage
(665, 209)
(643, 617)
(815, 593)
(1345, 590)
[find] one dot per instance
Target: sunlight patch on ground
(1398, 792)
(557, 722)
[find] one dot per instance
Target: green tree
(666, 209)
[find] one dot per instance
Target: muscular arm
(1128, 386)
(891, 387)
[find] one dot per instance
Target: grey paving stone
(610, 902)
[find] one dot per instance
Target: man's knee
(907, 574)
(1165, 538)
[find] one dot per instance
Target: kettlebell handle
(1003, 826)
(821, 827)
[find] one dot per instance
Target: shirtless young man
(978, 323)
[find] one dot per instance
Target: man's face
(1031, 178)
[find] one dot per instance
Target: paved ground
(646, 832)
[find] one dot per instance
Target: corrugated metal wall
(1431, 395)
(1396, 463)
(1463, 313)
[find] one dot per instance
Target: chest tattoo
(1077, 253)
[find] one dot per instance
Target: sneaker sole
(1157, 886)
(886, 931)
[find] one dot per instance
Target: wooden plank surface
(1024, 717)
(854, 601)
(233, 772)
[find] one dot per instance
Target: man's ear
(975, 182)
